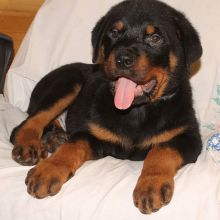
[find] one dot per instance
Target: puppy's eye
(154, 40)
(114, 33)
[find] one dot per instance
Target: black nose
(124, 60)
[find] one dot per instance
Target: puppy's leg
(156, 183)
(52, 96)
(48, 176)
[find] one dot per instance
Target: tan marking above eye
(119, 25)
(150, 29)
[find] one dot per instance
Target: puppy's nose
(124, 60)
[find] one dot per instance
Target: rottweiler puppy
(134, 102)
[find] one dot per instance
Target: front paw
(54, 138)
(28, 149)
(153, 192)
(46, 179)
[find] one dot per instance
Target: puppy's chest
(128, 135)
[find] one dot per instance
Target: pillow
(61, 34)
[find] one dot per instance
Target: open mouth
(127, 90)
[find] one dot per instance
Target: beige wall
(16, 16)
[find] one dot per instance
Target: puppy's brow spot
(119, 25)
(150, 29)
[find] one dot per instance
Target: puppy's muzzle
(125, 60)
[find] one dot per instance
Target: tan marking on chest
(105, 134)
(162, 137)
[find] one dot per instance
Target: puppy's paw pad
(152, 193)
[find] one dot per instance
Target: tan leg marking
(155, 185)
(28, 149)
(47, 178)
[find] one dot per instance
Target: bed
(102, 189)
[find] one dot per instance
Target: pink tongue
(124, 93)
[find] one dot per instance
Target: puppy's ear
(189, 38)
(97, 39)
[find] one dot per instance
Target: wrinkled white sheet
(102, 189)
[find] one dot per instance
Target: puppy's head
(146, 48)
